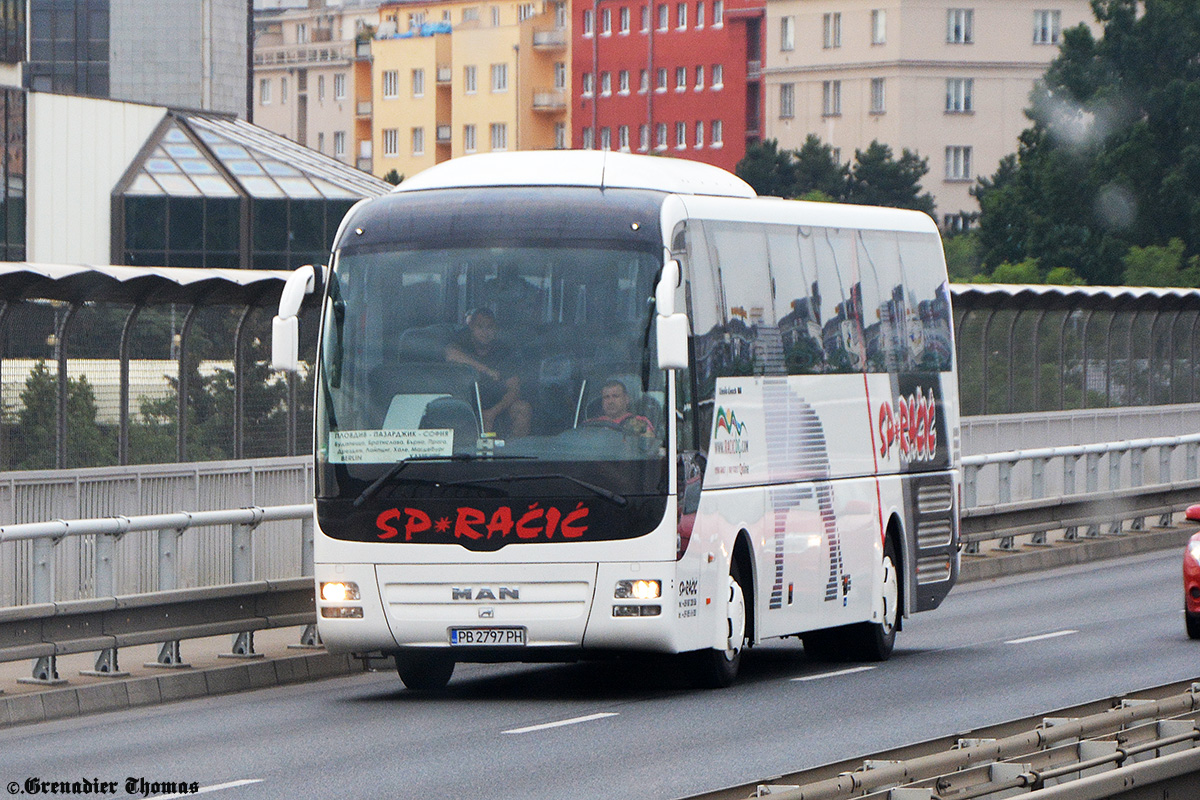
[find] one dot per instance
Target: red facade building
(680, 78)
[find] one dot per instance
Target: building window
(470, 79)
(700, 14)
(418, 82)
(958, 163)
(320, 88)
(391, 141)
(469, 138)
(606, 22)
(499, 77)
(831, 26)
(525, 11)
(831, 98)
(302, 33)
(283, 87)
(718, 13)
(960, 24)
(660, 136)
(499, 136)
(1047, 27)
(339, 144)
(663, 13)
(681, 79)
(418, 141)
(787, 33)
(718, 133)
(718, 76)
(560, 75)
(959, 93)
(606, 138)
(589, 22)
(644, 137)
(787, 100)
(588, 139)
(625, 19)
(471, 14)
(644, 81)
(264, 91)
(699, 135)
(560, 136)
(391, 84)
(878, 26)
(589, 84)
(699, 77)
(495, 16)
(623, 82)
(339, 86)
(662, 79)
(623, 138)
(645, 19)
(680, 135)
(878, 96)
(681, 16)
(320, 142)
(447, 16)
(606, 84)
(416, 20)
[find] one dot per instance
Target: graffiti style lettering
(467, 518)
(911, 427)
(501, 522)
(418, 522)
(569, 527)
(383, 522)
(525, 527)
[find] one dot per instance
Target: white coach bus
(578, 404)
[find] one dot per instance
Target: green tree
(393, 177)
(963, 256)
(1112, 159)
(35, 444)
(876, 178)
(769, 170)
(816, 170)
(1161, 265)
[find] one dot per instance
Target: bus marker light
(338, 592)
(626, 611)
(638, 590)
(341, 612)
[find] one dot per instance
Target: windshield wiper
(611, 496)
(396, 468)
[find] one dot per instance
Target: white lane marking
(849, 671)
(205, 789)
(560, 723)
(1040, 637)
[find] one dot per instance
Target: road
(993, 652)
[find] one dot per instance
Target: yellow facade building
(458, 77)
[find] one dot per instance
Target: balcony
(303, 55)
(553, 39)
(549, 100)
(445, 75)
(364, 164)
(753, 70)
(363, 108)
(443, 134)
(362, 49)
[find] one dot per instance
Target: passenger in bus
(478, 346)
(614, 402)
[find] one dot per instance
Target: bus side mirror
(673, 341)
(285, 327)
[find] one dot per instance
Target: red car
(1191, 578)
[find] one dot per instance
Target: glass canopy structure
(217, 192)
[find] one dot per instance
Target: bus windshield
(490, 367)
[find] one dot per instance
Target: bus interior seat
(427, 343)
(455, 414)
(417, 380)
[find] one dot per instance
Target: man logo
(485, 593)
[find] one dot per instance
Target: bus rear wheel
(716, 669)
(874, 641)
(424, 672)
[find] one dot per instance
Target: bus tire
(716, 669)
(424, 672)
(873, 641)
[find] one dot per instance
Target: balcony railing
(443, 134)
(549, 100)
(753, 69)
(553, 38)
(298, 54)
(363, 109)
(444, 74)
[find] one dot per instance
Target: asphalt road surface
(993, 652)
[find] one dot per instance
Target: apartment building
(312, 76)
(457, 77)
(681, 77)
(949, 80)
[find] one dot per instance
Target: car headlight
(338, 592)
(1193, 550)
(638, 590)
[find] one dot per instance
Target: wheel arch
(894, 532)
(743, 559)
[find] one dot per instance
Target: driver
(478, 346)
(614, 402)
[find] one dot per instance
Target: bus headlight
(337, 592)
(638, 590)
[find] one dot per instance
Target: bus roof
(598, 168)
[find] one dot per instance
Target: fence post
(309, 637)
(243, 572)
(1004, 479)
(1038, 490)
(169, 656)
(1137, 477)
(1093, 486)
(1069, 464)
(970, 479)
(106, 660)
(45, 669)
(1165, 456)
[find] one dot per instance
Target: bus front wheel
(715, 668)
(424, 672)
(873, 641)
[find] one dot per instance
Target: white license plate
(487, 637)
